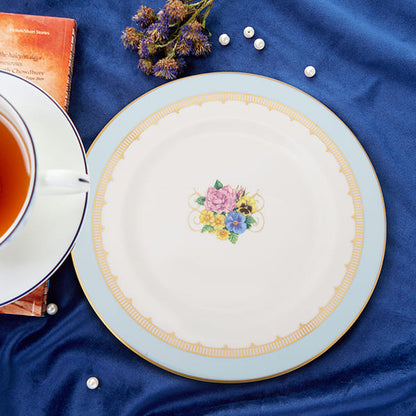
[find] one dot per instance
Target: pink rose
(220, 200)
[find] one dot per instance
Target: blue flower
(236, 222)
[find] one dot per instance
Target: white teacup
(20, 179)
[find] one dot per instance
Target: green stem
(203, 4)
(172, 54)
(197, 3)
(163, 45)
(207, 11)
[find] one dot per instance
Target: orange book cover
(40, 49)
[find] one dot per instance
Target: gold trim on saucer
(300, 364)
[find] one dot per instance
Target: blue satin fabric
(365, 56)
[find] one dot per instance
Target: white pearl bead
(310, 71)
(259, 44)
(52, 309)
(248, 32)
(224, 39)
(92, 383)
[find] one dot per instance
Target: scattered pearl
(92, 383)
(259, 44)
(224, 39)
(248, 32)
(52, 309)
(310, 71)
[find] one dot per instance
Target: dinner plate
(236, 228)
(47, 238)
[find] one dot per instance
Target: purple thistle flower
(145, 65)
(192, 31)
(174, 10)
(166, 68)
(146, 48)
(131, 38)
(145, 16)
(184, 47)
(202, 46)
(164, 17)
(158, 32)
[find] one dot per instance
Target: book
(33, 304)
(40, 49)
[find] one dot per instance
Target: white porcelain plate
(49, 234)
(237, 227)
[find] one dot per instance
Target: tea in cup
(20, 179)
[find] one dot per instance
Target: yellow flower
(218, 222)
(206, 217)
(247, 205)
(223, 234)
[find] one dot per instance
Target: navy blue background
(365, 56)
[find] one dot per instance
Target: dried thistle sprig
(164, 39)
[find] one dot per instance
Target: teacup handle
(63, 181)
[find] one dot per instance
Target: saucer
(53, 225)
(236, 228)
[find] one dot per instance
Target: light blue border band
(294, 355)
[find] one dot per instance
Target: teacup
(20, 179)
